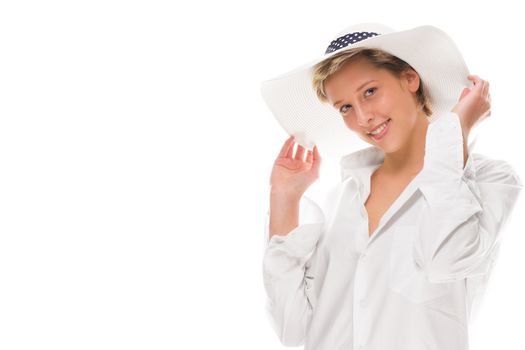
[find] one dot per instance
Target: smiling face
(366, 97)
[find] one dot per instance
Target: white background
(135, 154)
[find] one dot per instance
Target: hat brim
(293, 101)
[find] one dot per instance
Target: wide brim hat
(429, 50)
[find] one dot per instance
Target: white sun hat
(429, 50)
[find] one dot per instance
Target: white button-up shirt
(412, 284)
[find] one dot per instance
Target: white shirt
(412, 284)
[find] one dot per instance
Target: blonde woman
(413, 229)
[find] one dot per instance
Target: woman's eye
(342, 110)
(372, 88)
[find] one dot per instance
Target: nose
(364, 114)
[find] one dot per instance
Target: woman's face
(366, 97)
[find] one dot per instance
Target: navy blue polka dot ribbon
(351, 38)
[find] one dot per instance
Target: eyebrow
(359, 88)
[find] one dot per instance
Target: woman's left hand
(474, 103)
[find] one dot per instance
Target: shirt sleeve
(286, 275)
(465, 208)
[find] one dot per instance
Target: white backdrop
(135, 154)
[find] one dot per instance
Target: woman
(413, 228)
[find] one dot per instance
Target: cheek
(387, 104)
(352, 124)
(403, 130)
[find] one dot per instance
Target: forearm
(286, 263)
(284, 213)
(465, 147)
(465, 130)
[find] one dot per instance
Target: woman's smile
(381, 131)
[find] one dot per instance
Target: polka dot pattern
(347, 39)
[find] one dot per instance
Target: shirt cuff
(443, 160)
(299, 243)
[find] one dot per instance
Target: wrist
(284, 195)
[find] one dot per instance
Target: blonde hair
(378, 58)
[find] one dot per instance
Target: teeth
(379, 129)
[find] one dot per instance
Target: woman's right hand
(291, 175)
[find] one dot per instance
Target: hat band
(347, 39)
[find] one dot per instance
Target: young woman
(414, 226)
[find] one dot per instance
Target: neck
(410, 157)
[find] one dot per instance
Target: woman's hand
(474, 104)
(291, 175)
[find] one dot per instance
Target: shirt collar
(360, 164)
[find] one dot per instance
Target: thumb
(464, 93)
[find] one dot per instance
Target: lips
(381, 134)
(377, 126)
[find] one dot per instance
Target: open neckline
(394, 206)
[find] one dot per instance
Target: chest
(383, 193)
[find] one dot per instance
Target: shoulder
(493, 170)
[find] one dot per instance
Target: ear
(411, 78)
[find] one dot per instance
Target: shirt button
(362, 302)
(362, 256)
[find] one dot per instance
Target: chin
(392, 148)
(387, 148)
(369, 140)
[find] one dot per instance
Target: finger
(475, 79)
(486, 88)
(464, 93)
(316, 158)
(309, 156)
(299, 154)
(475, 83)
(480, 85)
(289, 154)
(286, 146)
